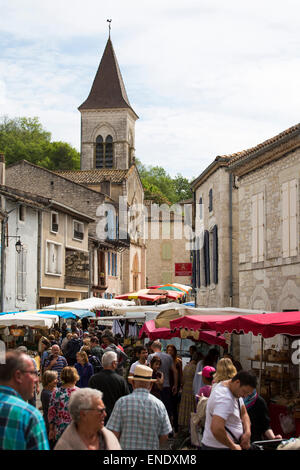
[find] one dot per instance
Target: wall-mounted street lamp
(18, 244)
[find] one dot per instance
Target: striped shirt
(21, 425)
(58, 366)
(141, 419)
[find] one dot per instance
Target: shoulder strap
(232, 435)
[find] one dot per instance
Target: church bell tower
(107, 119)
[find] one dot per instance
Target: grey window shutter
(215, 254)
(206, 258)
(210, 198)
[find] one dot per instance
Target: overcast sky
(206, 77)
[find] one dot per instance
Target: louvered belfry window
(104, 152)
(99, 152)
(108, 152)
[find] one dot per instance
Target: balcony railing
(76, 281)
(78, 235)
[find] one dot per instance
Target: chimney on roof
(2, 169)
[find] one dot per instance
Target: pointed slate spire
(108, 89)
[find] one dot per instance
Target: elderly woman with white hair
(87, 431)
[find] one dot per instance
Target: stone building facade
(215, 223)
(268, 188)
(267, 177)
(166, 245)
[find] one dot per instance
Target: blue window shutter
(108, 263)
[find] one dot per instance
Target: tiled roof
(264, 145)
(108, 89)
(94, 176)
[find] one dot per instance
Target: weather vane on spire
(109, 26)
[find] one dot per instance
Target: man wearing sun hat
(140, 420)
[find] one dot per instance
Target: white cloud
(206, 78)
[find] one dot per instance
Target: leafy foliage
(160, 187)
(24, 138)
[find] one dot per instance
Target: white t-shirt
(133, 366)
(222, 403)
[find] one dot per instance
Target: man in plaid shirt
(140, 420)
(22, 426)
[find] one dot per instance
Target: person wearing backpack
(93, 360)
(95, 348)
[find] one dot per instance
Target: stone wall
(37, 180)
(274, 283)
(218, 295)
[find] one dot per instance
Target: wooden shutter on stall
(215, 254)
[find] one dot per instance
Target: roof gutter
(235, 164)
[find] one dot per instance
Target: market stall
(92, 307)
(152, 295)
(278, 373)
(25, 328)
(149, 329)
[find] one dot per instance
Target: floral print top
(58, 413)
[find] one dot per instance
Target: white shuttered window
(289, 191)
(21, 275)
(54, 258)
(257, 215)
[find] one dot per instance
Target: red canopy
(153, 333)
(149, 298)
(266, 324)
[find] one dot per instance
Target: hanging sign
(183, 269)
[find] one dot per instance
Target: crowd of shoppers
(89, 402)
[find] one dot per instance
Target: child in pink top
(207, 378)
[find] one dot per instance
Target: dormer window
(104, 152)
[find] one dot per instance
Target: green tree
(153, 193)
(25, 138)
(158, 183)
(182, 188)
